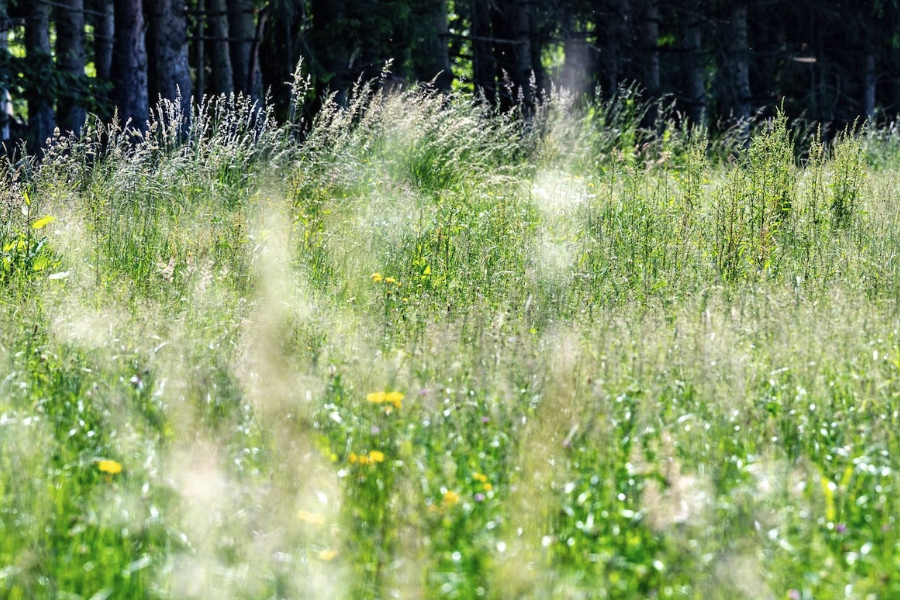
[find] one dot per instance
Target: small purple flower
(840, 528)
(793, 594)
(375, 429)
(479, 497)
(485, 419)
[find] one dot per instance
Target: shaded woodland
(831, 61)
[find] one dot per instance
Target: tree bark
(242, 30)
(6, 109)
(222, 74)
(484, 66)
(869, 87)
(432, 61)
(172, 73)
(648, 56)
(694, 64)
(329, 38)
(70, 111)
(199, 46)
(129, 67)
(513, 53)
(37, 49)
(576, 72)
(736, 68)
(613, 28)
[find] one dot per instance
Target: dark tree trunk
(613, 26)
(70, 111)
(37, 49)
(432, 60)
(222, 74)
(576, 73)
(6, 110)
(869, 86)
(199, 54)
(648, 55)
(538, 37)
(332, 48)
(242, 32)
(694, 64)
(104, 31)
(736, 67)
(171, 72)
(512, 51)
(129, 68)
(484, 66)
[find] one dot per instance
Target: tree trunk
(736, 69)
(37, 49)
(222, 75)
(694, 64)
(432, 60)
(70, 62)
(648, 55)
(6, 109)
(869, 87)
(129, 67)
(512, 51)
(104, 31)
(242, 32)
(329, 39)
(613, 28)
(199, 46)
(576, 73)
(484, 66)
(172, 73)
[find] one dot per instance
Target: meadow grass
(419, 349)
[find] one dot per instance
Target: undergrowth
(418, 348)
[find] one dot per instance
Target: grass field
(433, 352)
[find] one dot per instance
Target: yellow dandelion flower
(353, 458)
(395, 398)
(376, 277)
(109, 466)
(376, 457)
(390, 280)
(365, 460)
(479, 477)
(327, 554)
(488, 487)
(311, 518)
(399, 284)
(450, 498)
(375, 397)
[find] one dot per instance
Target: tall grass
(416, 348)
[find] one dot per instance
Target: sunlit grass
(427, 351)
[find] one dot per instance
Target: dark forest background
(830, 61)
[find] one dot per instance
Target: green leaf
(43, 222)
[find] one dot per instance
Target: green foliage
(430, 352)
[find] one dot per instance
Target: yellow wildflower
(353, 458)
(395, 398)
(109, 466)
(311, 518)
(390, 280)
(376, 277)
(479, 477)
(365, 460)
(327, 555)
(376, 457)
(450, 498)
(488, 487)
(376, 397)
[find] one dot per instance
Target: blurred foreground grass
(430, 352)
